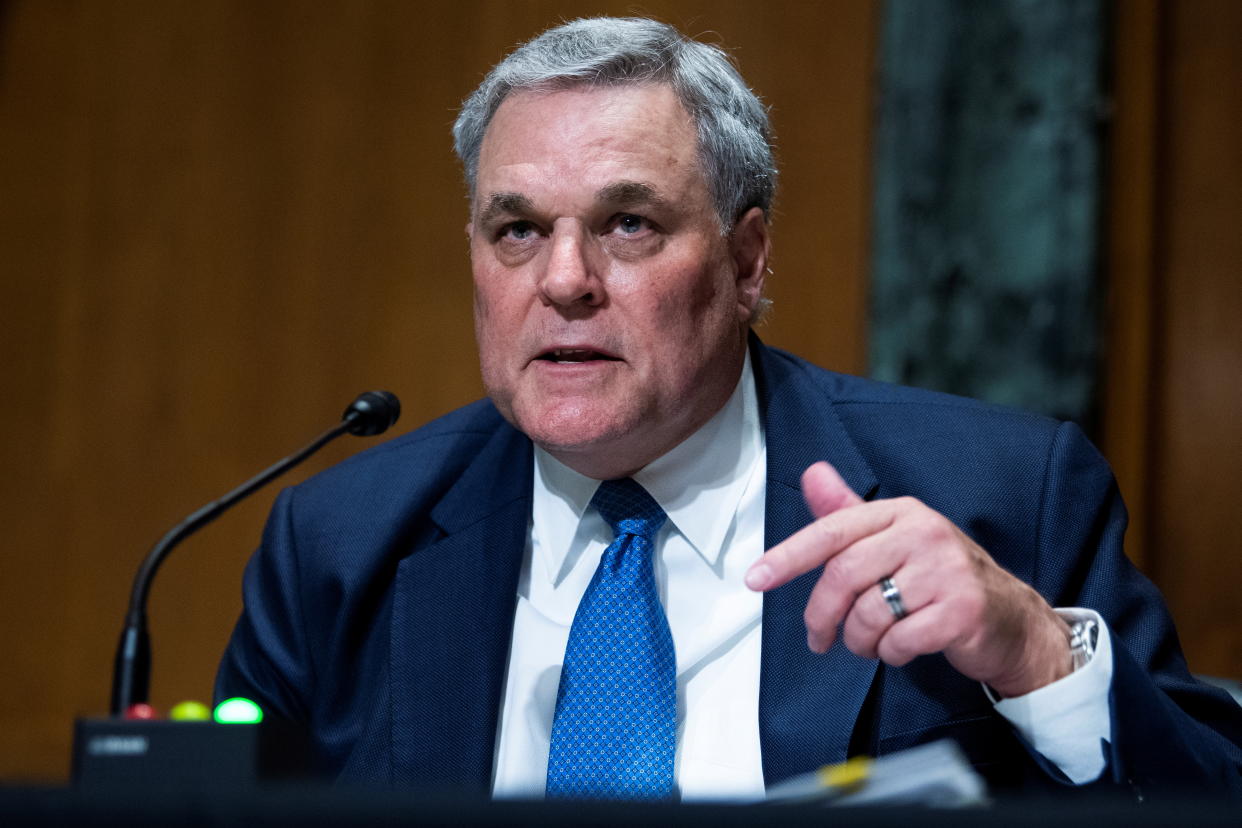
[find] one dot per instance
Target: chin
(574, 430)
(572, 435)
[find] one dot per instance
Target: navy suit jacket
(379, 609)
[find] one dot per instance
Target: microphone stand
(371, 413)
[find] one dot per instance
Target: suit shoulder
(437, 450)
(856, 398)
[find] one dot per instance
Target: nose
(569, 277)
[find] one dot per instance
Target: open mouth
(574, 355)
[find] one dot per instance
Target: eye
(628, 224)
(518, 231)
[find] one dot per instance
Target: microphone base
(136, 753)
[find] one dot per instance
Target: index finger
(817, 543)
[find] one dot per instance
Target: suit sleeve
(267, 658)
(1170, 732)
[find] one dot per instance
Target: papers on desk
(935, 774)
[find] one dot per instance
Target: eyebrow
(620, 193)
(505, 203)
(629, 194)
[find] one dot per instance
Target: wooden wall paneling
(1172, 399)
(221, 220)
(1130, 259)
(40, 640)
(1196, 528)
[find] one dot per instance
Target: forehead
(589, 137)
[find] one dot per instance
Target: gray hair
(735, 144)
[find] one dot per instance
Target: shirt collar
(698, 484)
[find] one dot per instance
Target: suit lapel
(448, 665)
(808, 703)
(452, 622)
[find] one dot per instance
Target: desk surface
(318, 806)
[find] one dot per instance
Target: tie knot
(628, 509)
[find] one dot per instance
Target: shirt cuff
(1065, 721)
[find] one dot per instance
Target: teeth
(575, 355)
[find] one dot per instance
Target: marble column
(986, 233)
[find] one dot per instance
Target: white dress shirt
(713, 488)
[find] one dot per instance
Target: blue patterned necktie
(615, 731)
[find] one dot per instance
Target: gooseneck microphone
(371, 413)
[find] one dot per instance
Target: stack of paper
(935, 774)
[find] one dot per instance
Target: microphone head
(372, 413)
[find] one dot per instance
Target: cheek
(490, 298)
(482, 317)
(692, 311)
(707, 299)
(482, 312)
(487, 319)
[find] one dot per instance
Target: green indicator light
(238, 711)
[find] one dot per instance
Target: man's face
(610, 311)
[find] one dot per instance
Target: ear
(749, 245)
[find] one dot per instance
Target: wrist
(1050, 658)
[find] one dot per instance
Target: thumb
(825, 491)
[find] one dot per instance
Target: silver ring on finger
(892, 597)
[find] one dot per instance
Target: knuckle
(840, 570)
(971, 604)
(938, 530)
(958, 568)
(909, 503)
(829, 532)
(933, 527)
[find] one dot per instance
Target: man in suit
(470, 607)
